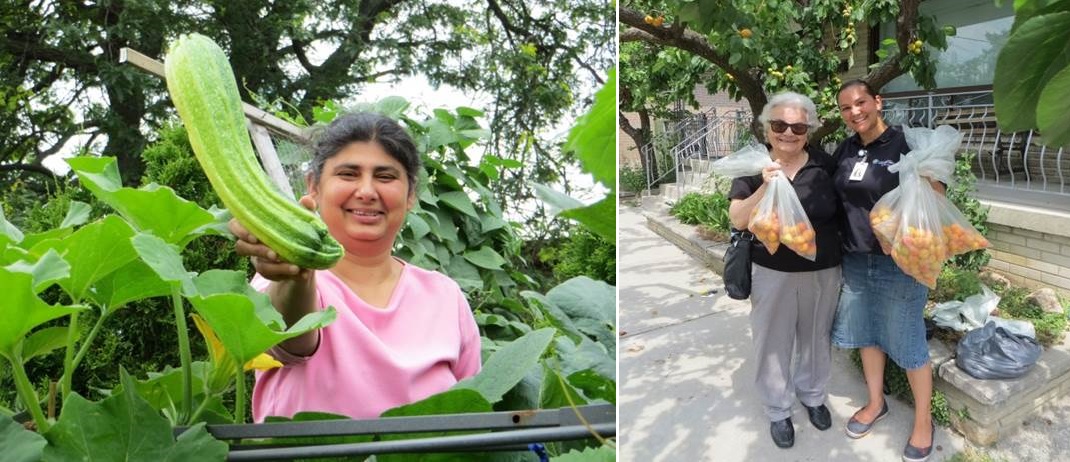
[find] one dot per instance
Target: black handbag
(737, 265)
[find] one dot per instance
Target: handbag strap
(743, 235)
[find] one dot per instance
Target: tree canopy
(63, 88)
(752, 49)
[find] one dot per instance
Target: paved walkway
(685, 386)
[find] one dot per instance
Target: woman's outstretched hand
(266, 261)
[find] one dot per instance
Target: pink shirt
(373, 359)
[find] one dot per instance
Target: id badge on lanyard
(860, 167)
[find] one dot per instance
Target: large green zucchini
(204, 90)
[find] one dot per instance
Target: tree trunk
(125, 140)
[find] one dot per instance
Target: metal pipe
(451, 443)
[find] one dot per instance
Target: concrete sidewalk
(685, 387)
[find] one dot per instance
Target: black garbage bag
(991, 352)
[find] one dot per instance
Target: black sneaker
(783, 433)
(819, 416)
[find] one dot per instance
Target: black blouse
(813, 185)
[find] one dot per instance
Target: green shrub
(961, 193)
(710, 210)
(955, 284)
(1049, 326)
(583, 254)
(632, 179)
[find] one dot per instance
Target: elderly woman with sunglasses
(793, 299)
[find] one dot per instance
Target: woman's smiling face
(786, 141)
(363, 194)
(860, 110)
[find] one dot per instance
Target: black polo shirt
(858, 197)
(813, 185)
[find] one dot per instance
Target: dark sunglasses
(779, 126)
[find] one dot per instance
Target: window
(970, 57)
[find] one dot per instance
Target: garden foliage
(543, 346)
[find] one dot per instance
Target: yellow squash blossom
(223, 363)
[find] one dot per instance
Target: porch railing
(1005, 161)
(692, 150)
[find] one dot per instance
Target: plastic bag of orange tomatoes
(779, 217)
(917, 226)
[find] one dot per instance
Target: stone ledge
(710, 253)
(982, 410)
(986, 410)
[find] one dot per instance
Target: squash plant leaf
(9, 233)
(599, 454)
(557, 317)
(93, 251)
(159, 210)
(43, 341)
(20, 445)
(248, 324)
(163, 392)
(587, 354)
(164, 259)
(134, 281)
(594, 385)
(485, 258)
(588, 306)
(554, 387)
(509, 365)
(48, 270)
(22, 311)
(316, 440)
(455, 401)
(593, 138)
(584, 298)
(124, 427)
(77, 215)
(526, 394)
(152, 208)
(600, 217)
(558, 201)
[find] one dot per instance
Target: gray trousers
(792, 312)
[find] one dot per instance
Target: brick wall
(1031, 246)
(721, 101)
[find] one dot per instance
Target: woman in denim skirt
(793, 298)
(880, 309)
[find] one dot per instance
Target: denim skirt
(881, 306)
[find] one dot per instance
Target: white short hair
(791, 99)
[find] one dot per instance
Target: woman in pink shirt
(402, 333)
